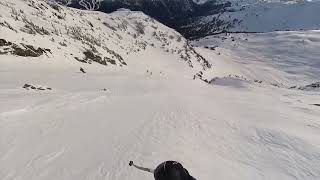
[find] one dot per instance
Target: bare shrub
(7, 25)
(123, 25)
(31, 28)
(55, 30)
(15, 14)
(140, 27)
(63, 44)
(109, 26)
(179, 39)
(87, 38)
(116, 55)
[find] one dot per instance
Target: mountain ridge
(196, 19)
(39, 29)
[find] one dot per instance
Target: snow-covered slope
(123, 38)
(164, 10)
(90, 125)
(272, 16)
(284, 59)
(257, 16)
(58, 123)
(201, 18)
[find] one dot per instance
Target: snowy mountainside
(268, 16)
(49, 31)
(88, 126)
(283, 59)
(195, 19)
(173, 13)
(138, 100)
(257, 16)
(160, 9)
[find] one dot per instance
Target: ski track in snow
(85, 136)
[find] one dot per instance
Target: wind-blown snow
(90, 125)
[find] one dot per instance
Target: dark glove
(130, 163)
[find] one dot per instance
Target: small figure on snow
(82, 70)
(168, 170)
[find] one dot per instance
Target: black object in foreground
(82, 70)
(168, 170)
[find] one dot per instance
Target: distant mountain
(199, 18)
(173, 13)
(256, 16)
(164, 10)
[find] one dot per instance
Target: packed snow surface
(245, 124)
(283, 58)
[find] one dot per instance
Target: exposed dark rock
(26, 86)
(28, 51)
(22, 49)
(314, 85)
(94, 55)
(89, 55)
(3, 42)
(116, 55)
(63, 44)
(110, 60)
(29, 86)
(82, 70)
(80, 60)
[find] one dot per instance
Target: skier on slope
(168, 170)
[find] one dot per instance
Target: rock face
(21, 49)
